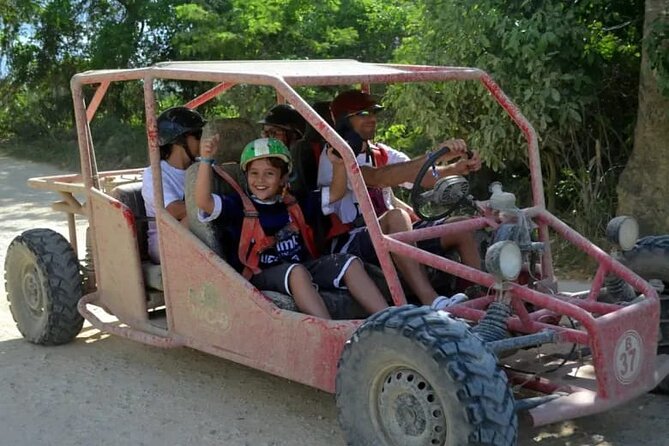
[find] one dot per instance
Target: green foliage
(571, 67)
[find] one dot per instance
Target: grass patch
(117, 146)
(571, 263)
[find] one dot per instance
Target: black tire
(411, 376)
(43, 285)
(649, 258)
(663, 347)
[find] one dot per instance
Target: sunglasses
(197, 134)
(362, 113)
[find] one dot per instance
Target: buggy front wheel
(411, 376)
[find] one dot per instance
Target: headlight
(623, 231)
(504, 260)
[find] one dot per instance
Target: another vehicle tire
(650, 259)
(43, 285)
(663, 347)
(412, 376)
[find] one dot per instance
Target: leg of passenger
(363, 288)
(466, 246)
(306, 297)
(464, 243)
(397, 220)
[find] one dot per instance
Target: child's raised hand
(209, 146)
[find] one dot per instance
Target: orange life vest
(379, 159)
(253, 239)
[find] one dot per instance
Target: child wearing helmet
(287, 263)
(179, 132)
(284, 123)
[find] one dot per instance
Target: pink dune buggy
(409, 375)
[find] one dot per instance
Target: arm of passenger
(177, 209)
(392, 174)
(325, 177)
(338, 187)
(395, 174)
(203, 198)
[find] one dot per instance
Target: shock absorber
(618, 289)
(492, 326)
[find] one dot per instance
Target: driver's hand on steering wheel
(458, 148)
(465, 166)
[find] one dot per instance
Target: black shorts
(359, 243)
(327, 272)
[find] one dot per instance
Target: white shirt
(174, 181)
(347, 207)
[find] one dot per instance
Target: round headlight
(504, 260)
(623, 231)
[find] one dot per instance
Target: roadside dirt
(105, 390)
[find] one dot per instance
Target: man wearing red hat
(382, 168)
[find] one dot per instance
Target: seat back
(131, 195)
(234, 134)
(305, 167)
(209, 232)
(305, 156)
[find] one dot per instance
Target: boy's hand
(209, 146)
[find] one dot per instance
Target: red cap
(353, 101)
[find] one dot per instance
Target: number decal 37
(628, 357)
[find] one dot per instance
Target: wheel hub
(409, 410)
(32, 291)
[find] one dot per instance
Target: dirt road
(103, 390)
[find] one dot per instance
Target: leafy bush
(568, 67)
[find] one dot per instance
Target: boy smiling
(278, 256)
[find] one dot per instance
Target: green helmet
(265, 148)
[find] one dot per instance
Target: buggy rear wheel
(43, 285)
(411, 376)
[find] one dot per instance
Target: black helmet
(177, 121)
(286, 117)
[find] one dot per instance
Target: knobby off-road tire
(411, 376)
(43, 286)
(650, 259)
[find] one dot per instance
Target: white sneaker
(443, 302)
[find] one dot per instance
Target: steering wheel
(446, 195)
